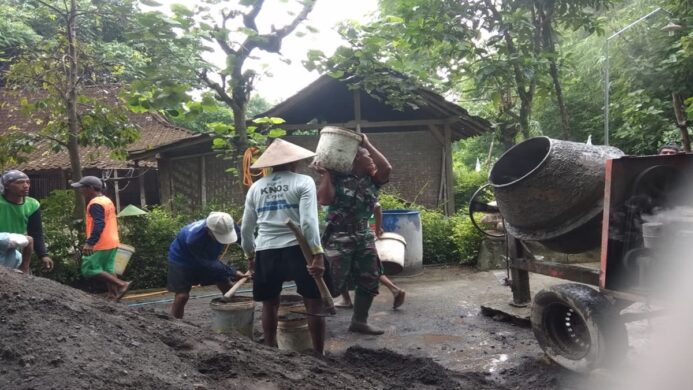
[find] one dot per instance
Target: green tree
(55, 71)
(180, 41)
(646, 67)
(506, 49)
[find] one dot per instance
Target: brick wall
(415, 158)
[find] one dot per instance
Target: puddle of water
(495, 362)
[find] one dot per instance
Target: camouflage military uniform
(348, 241)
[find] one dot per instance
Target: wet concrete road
(441, 319)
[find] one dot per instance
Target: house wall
(416, 158)
(43, 182)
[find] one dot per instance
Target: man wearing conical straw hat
(274, 255)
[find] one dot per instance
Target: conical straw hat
(281, 152)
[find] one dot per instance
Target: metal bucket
(391, 249)
(235, 316)
(293, 333)
(337, 148)
(552, 191)
(407, 223)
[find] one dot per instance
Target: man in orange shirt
(98, 254)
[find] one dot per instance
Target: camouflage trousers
(353, 259)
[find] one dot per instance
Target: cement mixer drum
(552, 191)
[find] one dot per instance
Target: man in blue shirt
(193, 258)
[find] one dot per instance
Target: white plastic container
(337, 148)
(391, 248)
(122, 258)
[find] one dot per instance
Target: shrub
(466, 183)
(439, 247)
(63, 236)
(446, 240)
(467, 238)
(151, 235)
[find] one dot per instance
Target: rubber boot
(359, 321)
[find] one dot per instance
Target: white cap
(221, 226)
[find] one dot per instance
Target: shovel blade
(320, 314)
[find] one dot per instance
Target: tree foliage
(177, 43)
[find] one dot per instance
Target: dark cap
(89, 181)
(12, 176)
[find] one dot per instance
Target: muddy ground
(441, 320)
(55, 337)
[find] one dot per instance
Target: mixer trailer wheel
(578, 327)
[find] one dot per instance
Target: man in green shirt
(21, 214)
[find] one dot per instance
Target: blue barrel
(407, 223)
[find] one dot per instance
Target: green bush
(439, 247)
(150, 234)
(467, 182)
(446, 240)
(467, 238)
(63, 236)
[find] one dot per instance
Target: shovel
(327, 303)
(227, 297)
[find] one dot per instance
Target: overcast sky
(327, 14)
(288, 79)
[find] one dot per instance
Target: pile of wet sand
(56, 337)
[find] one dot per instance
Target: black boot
(359, 321)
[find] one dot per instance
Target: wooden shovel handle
(236, 286)
(308, 255)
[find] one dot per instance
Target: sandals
(399, 299)
(123, 291)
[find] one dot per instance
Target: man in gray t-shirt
(274, 255)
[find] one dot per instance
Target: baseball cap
(221, 226)
(89, 181)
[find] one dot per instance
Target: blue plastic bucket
(407, 223)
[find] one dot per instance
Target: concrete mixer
(572, 197)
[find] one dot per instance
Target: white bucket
(651, 231)
(293, 334)
(391, 248)
(337, 148)
(235, 316)
(122, 258)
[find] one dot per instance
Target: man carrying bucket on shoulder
(99, 251)
(349, 241)
(398, 294)
(274, 256)
(194, 258)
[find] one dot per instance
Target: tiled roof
(154, 131)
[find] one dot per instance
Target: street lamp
(670, 28)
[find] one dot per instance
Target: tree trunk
(565, 124)
(71, 104)
(508, 132)
(545, 13)
(681, 122)
(239, 113)
(525, 112)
